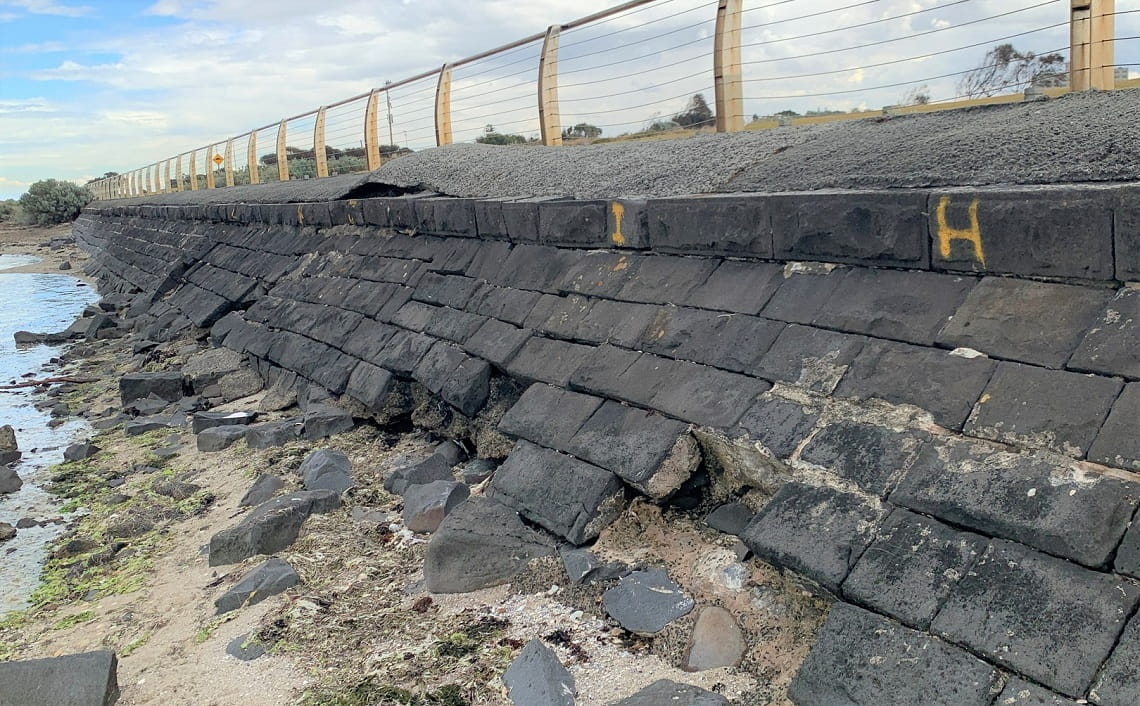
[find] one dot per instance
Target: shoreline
(35, 241)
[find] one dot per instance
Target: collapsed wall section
(902, 385)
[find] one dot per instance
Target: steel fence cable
(906, 59)
(640, 26)
(811, 14)
(529, 84)
(633, 107)
(899, 38)
(635, 90)
(686, 60)
(640, 41)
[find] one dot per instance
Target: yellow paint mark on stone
(351, 205)
(300, 216)
(947, 234)
(622, 264)
(618, 211)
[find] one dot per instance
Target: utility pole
(388, 98)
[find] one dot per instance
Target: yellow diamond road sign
(218, 159)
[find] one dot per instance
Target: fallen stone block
(147, 406)
(910, 568)
(142, 425)
(87, 679)
(1049, 619)
(537, 678)
(9, 480)
(481, 543)
(208, 367)
(270, 527)
(426, 505)
(859, 657)
(7, 532)
(730, 518)
(651, 452)
(664, 691)
(644, 602)
(818, 532)
(269, 434)
(79, 452)
(583, 567)
(217, 439)
(477, 470)
(717, 641)
(262, 489)
(569, 497)
(165, 385)
(245, 647)
(322, 421)
(207, 420)
(433, 468)
(1045, 503)
(326, 469)
(1118, 684)
(548, 415)
(268, 579)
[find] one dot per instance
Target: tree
(919, 95)
(580, 130)
(1005, 69)
(51, 201)
(490, 137)
(696, 114)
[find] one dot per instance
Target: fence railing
(575, 80)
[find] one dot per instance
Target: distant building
(1060, 79)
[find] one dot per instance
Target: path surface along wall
(933, 394)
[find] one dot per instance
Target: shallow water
(32, 302)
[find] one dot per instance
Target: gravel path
(1076, 138)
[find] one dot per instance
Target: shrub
(52, 201)
(10, 211)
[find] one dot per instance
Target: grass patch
(369, 693)
(130, 648)
(73, 620)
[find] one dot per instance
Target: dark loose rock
(730, 518)
(326, 469)
(262, 489)
(165, 385)
(431, 469)
(79, 452)
(271, 527)
(425, 506)
(673, 693)
(717, 641)
(268, 579)
(537, 678)
(9, 480)
(481, 543)
(217, 439)
(245, 647)
(264, 436)
(322, 421)
(207, 420)
(87, 679)
(646, 601)
(7, 532)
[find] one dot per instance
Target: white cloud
(49, 7)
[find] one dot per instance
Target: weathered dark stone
(79, 452)
(369, 385)
(743, 287)
(1054, 409)
(730, 518)
(208, 420)
(818, 532)
(496, 342)
(860, 658)
(644, 602)
(431, 469)
(780, 425)
(905, 306)
(1117, 443)
(802, 293)
(270, 527)
(1044, 617)
(269, 434)
(481, 543)
(446, 216)
(737, 224)
(468, 387)
(1033, 322)
(1019, 692)
(9, 481)
(547, 360)
(909, 569)
(209, 366)
(810, 357)
(1127, 229)
(583, 567)
(477, 470)
(1049, 232)
(571, 498)
(1110, 346)
(326, 469)
(245, 647)
(598, 274)
(1119, 680)
(666, 279)
(735, 343)
(166, 385)
(217, 439)
(87, 679)
(943, 384)
(268, 579)
(262, 489)
(705, 395)
(549, 416)
(870, 456)
(426, 505)
(673, 693)
(322, 421)
(652, 453)
(537, 678)
(450, 451)
(862, 227)
(1044, 503)
(574, 223)
(142, 425)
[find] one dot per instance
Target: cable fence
(668, 68)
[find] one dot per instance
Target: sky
(90, 86)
